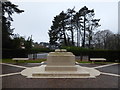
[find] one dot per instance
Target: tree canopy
(10, 40)
(8, 9)
(71, 27)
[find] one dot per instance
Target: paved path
(28, 67)
(105, 65)
(16, 80)
(14, 65)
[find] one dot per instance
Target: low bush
(78, 51)
(10, 53)
(110, 55)
(38, 50)
(19, 53)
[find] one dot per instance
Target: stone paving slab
(114, 69)
(18, 81)
(8, 69)
(90, 64)
(38, 64)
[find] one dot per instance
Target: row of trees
(71, 26)
(106, 39)
(10, 40)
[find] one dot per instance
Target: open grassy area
(41, 60)
(28, 61)
(94, 62)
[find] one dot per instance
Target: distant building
(36, 45)
(45, 44)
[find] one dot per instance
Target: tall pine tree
(8, 9)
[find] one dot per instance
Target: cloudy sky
(38, 15)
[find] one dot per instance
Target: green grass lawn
(96, 62)
(28, 61)
(41, 60)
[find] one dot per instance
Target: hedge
(15, 53)
(10, 53)
(37, 50)
(110, 55)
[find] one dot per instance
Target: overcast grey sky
(38, 16)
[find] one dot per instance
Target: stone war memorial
(60, 64)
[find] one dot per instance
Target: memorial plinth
(60, 61)
(60, 64)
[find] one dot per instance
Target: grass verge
(28, 61)
(96, 62)
(41, 60)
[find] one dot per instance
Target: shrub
(110, 55)
(10, 53)
(15, 53)
(77, 50)
(37, 50)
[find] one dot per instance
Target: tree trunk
(72, 35)
(89, 42)
(65, 40)
(84, 33)
(90, 37)
(77, 39)
(77, 35)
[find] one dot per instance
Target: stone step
(61, 68)
(73, 74)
